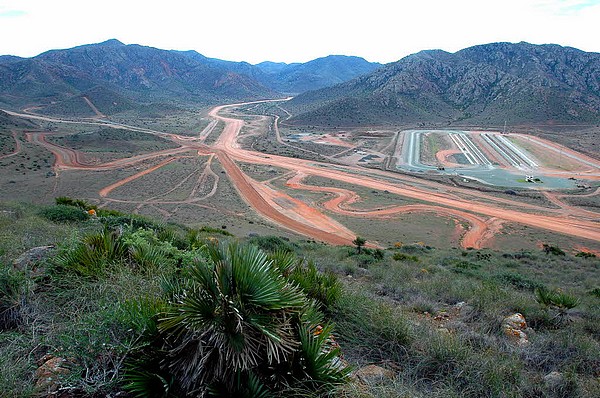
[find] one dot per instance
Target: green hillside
(124, 303)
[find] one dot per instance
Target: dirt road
(18, 147)
(484, 213)
(354, 175)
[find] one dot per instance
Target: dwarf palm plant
(93, 254)
(237, 313)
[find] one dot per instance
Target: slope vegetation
(522, 83)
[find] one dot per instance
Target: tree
(359, 243)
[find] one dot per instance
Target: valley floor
(331, 198)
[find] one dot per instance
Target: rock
(553, 380)
(47, 376)
(372, 374)
(463, 309)
(515, 321)
(514, 327)
(32, 257)
(460, 305)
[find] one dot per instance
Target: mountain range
(135, 73)
(485, 84)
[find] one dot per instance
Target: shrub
(326, 289)
(405, 257)
(414, 248)
(555, 298)
(359, 243)
(585, 255)
(212, 230)
(271, 244)
(62, 213)
(237, 327)
(363, 260)
(92, 256)
(82, 204)
(13, 291)
(520, 255)
(141, 314)
(518, 281)
(132, 221)
(555, 250)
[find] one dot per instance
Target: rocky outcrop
(48, 375)
(515, 327)
(31, 259)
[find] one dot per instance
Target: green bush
(359, 242)
(237, 327)
(212, 230)
(13, 292)
(62, 213)
(133, 221)
(555, 298)
(585, 255)
(271, 244)
(93, 255)
(325, 288)
(82, 204)
(518, 281)
(141, 314)
(555, 250)
(414, 248)
(405, 257)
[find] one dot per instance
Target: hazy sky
(297, 31)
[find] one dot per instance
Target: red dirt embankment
(324, 229)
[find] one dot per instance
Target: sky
(297, 30)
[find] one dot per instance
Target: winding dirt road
(358, 176)
(484, 213)
(18, 147)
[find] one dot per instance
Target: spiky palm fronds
(236, 314)
(555, 298)
(148, 256)
(325, 288)
(91, 257)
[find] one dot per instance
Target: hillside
(139, 72)
(315, 74)
(96, 305)
(297, 78)
(7, 122)
(57, 80)
(486, 84)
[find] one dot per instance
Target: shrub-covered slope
(492, 83)
(125, 303)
